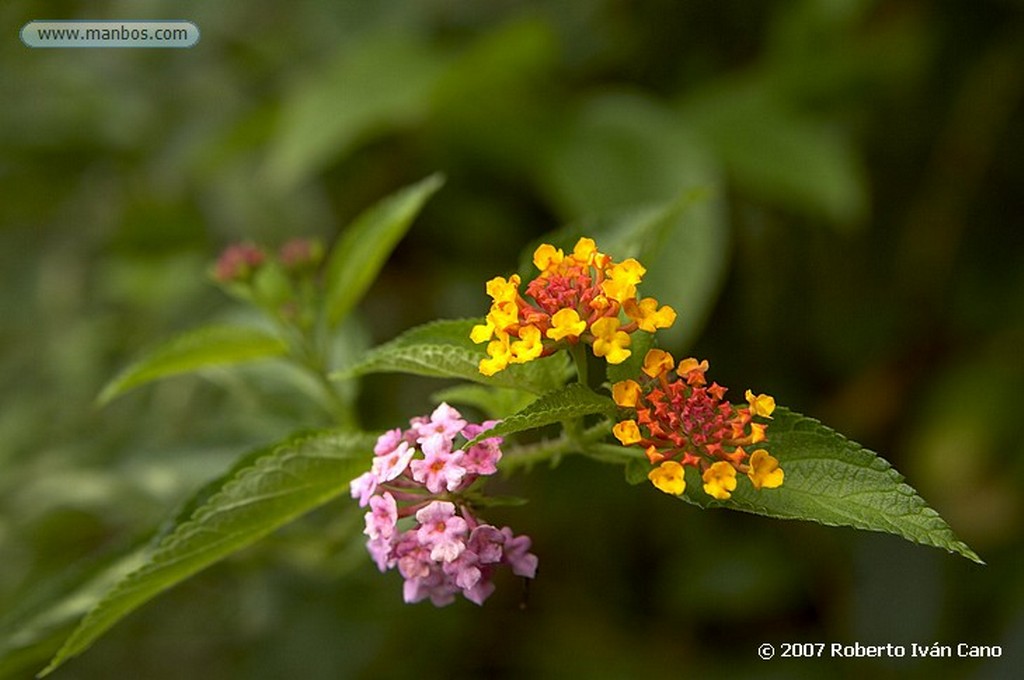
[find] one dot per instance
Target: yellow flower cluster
(681, 420)
(575, 298)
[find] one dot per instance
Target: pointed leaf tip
(363, 249)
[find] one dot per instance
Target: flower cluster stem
(551, 450)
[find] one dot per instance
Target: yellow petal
(627, 432)
(668, 477)
(720, 480)
(657, 361)
(765, 472)
(626, 393)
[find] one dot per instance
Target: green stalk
(579, 357)
(550, 450)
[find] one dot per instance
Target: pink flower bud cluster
(417, 520)
(238, 262)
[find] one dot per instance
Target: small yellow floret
(498, 356)
(757, 432)
(599, 304)
(502, 290)
(585, 251)
(761, 405)
(566, 323)
(765, 472)
(647, 315)
(657, 361)
(692, 370)
(528, 347)
(668, 477)
(626, 393)
(622, 279)
(609, 341)
(627, 432)
(720, 480)
(503, 314)
(547, 257)
(482, 332)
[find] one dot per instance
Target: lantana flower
(681, 421)
(577, 297)
(419, 522)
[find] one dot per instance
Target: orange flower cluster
(575, 298)
(681, 420)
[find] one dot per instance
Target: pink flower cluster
(415, 481)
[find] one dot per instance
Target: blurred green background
(857, 242)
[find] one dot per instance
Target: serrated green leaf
(572, 401)
(197, 349)
(442, 349)
(295, 477)
(834, 481)
(357, 258)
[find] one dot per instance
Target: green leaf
(195, 350)
(778, 153)
(360, 253)
(377, 83)
(834, 481)
(34, 627)
(572, 401)
(623, 150)
(506, 74)
(495, 402)
(442, 349)
(292, 478)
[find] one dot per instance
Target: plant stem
(309, 356)
(574, 426)
(528, 455)
(579, 357)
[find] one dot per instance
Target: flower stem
(552, 450)
(579, 357)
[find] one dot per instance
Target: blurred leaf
(492, 106)
(495, 402)
(834, 481)
(572, 401)
(359, 255)
(779, 154)
(442, 349)
(380, 82)
(300, 474)
(197, 349)
(819, 53)
(33, 630)
(623, 151)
